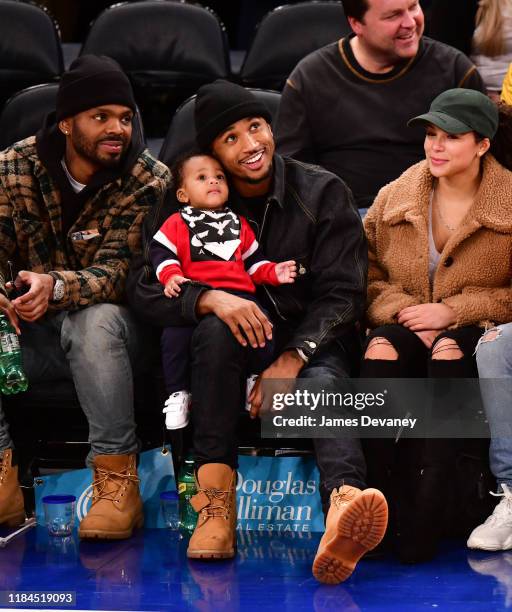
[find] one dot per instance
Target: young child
(206, 241)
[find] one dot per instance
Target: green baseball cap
(458, 111)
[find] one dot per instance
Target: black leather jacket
(309, 216)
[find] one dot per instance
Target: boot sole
(505, 546)
(99, 534)
(211, 554)
(13, 520)
(360, 528)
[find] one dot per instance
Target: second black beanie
(219, 105)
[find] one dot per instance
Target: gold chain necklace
(440, 214)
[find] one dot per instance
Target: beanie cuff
(91, 82)
(218, 124)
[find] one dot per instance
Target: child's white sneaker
(176, 410)
(251, 381)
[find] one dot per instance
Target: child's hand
(172, 287)
(286, 271)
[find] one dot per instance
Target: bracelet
(302, 355)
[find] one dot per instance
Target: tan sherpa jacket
(474, 272)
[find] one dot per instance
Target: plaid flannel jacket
(92, 265)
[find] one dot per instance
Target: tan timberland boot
(12, 511)
(215, 534)
(356, 523)
(116, 503)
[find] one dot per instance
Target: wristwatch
(58, 290)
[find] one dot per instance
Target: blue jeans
(95, 348)
(494, 359)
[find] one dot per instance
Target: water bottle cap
(59, 499)
(169, 495)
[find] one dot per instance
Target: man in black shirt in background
(346, 106)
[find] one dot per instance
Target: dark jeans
(176, 346)
(219, 366)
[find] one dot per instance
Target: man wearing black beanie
(298, 212)
(72, 200)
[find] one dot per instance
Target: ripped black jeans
(415, 359)
(416, 474)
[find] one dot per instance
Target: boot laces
(503, 512)
(342, 496)
(103, 477)
(218, 505)
(4, 464)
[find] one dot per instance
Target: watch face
(58, 290)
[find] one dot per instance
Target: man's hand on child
(286, 271)
(172, 287)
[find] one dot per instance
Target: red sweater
(171, 254)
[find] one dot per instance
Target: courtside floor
(271, 572)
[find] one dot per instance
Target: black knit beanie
(220, 104)
(92, 80)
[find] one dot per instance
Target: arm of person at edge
(7, 248)
(338, 270)
(469, 76)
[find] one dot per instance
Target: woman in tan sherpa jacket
(472, 276)
(440, 252)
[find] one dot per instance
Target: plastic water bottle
(186, 490)
(169, 502)
(12, 376)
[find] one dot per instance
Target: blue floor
(271, 572)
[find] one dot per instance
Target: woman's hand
(426, 317)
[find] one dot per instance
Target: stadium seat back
(286, 35)
(30, 49)
(168, 49)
